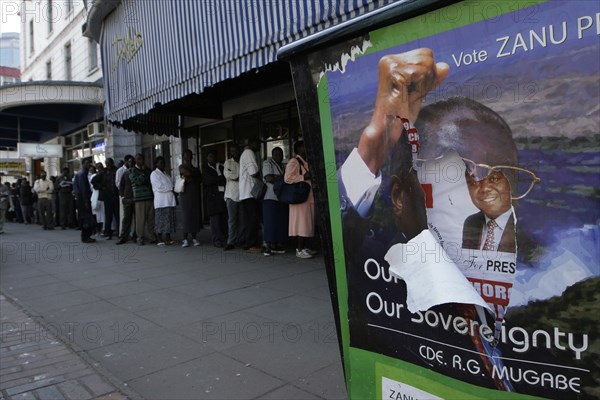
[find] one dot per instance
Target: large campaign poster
(462, 151)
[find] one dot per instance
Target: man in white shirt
(232, 196)
(44, 188)
(249, 173)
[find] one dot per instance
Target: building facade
(52, 46)
(60, 101)
(202, 75)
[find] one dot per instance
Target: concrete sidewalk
(175, 323)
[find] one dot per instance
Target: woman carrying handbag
(302, 215)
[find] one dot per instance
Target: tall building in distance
(9, 50)
(9, 58)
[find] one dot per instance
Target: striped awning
(154, 52)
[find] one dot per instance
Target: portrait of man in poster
(463, 125)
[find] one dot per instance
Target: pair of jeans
(233, 212)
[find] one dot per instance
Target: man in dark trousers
(126, 194)
(143, 197)
(214, 189)
(44, 187)
(250, 212)
(111, 197)
(83, 198)
(65, 198)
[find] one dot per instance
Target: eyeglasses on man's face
(524, 179)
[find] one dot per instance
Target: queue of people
(137, 203)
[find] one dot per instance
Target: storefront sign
(12, 167)
(39, 150)
(126, 47)
(461, 190)
(99, 147)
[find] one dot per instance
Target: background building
(9, 50)
(9, 75)
(60, 99)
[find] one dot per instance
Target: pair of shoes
(253, 249)
(303, 253)
(278, 250)
(311, 252)
(185, 243)
(195, 243)
(155, 241)
(170, 242)
(141, 242)
(161, 244)
(121, 241)
(228, 247)
(89, 240)
(267, 252)
(109, 238)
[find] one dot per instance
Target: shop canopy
(156, 53)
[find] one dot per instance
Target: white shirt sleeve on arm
(360, 183)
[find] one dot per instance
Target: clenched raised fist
(404, 81)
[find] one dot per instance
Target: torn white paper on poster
(430, 275)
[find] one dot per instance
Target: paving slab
(132, 359)
(289, 392)
(215, 376)
(233, 329)
(327, 383)
(300, 350)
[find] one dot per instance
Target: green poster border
(361, 360)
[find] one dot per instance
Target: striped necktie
(489, 237)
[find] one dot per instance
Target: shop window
(92, 55)
(68, 66)
(31, 44)
(50, 17)
(221, 132)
